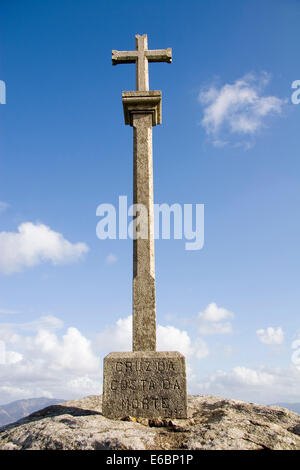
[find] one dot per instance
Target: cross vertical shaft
(144, 312)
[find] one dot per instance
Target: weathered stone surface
(213, 423)
(144, 310)
(135, 102)
(145, 384)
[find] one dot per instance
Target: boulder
(213, 423)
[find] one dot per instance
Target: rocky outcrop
(213, 423)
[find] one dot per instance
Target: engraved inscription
(123, 385)
(145, 366)
(145, 403)
(168, 384)
(145, 384)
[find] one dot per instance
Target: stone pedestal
(145, 384)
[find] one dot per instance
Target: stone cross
(141, 56)
(144, 382)
(142, 111)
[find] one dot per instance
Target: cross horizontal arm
(124, 57)
(160, 55)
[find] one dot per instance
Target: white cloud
(111, 258)
(116, 337)
(260, 385)
(271, 335)
(7, 333)
(8, 357)
(45, 364)
(237, 108)
(213, 313)
(85, 385)
(169, 338)
(200, 349)
(34, 244)
(73, 352)
(211, 320)
(296, 353)
(246, 376)
(3, 206)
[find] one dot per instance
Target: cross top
(141, 56)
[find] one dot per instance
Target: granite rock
(212, 423)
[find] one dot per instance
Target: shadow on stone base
(144, 384)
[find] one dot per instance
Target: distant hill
(21, 408)
(295, 407)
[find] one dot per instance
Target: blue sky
(229, 140)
